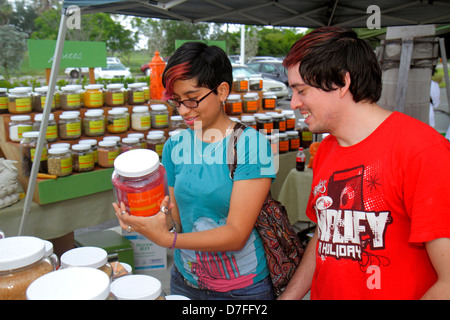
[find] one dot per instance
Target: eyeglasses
(189, 103)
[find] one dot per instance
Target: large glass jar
(93, 96)
(140, 118)
(18, 125)
(69, 126)
(3, 100)
(91, 257)
(60, 162)
(38, 99)
(117, 121)
(52, 128)
(27, 151)
(19, 100)
(233, 105)
(70, 97)
(140, 181)
(135, 94)
(155, 141)
(159, 116)
(82, 158)
(22, 260)
(114, 95)
(107, 153)
(94, 123)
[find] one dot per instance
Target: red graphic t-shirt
(375, 204)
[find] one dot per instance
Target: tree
(13, 44)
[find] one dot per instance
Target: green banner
(220, 44)
(87, 54)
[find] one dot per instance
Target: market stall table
(294, 194)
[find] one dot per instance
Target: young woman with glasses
(218, 253)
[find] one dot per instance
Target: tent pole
(43, 129)
(445, 67)
(242, 58)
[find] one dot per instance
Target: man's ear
(346, 88)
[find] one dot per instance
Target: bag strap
(231, 150)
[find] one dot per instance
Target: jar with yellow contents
(93, 96)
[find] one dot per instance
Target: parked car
(279, 88)
(263, 58)
(270, 69)
(112, 70)
(75, 72)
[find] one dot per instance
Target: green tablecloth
(294, 194)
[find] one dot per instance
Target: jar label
(268, 127)
(97, 126)
(66, 165)
(112, 155)
(138, 96)
(3, 103)
(269, 104)
(23, 104)
(290, 123)
(94, 99)
(307, 136)
(146, 203)
(73, 129)
(145, 121)
(282, 126)
(236, 107)
(86, 161)
(22, 129)
(119, 125)
(43, 102)
(73, 100)
(161, 120)
(117, 98)
(159, 149)
(252, 106)
(284, 146)
(295, 144)
(52, 132)
(244, 85)
(44, 155)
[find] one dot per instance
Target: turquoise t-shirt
(199, 173)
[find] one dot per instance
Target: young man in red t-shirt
(379, 193)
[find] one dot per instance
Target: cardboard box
(147, 255)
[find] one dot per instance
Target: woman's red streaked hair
(171, 75)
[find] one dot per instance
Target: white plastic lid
(92, 257)
(264, 117)
(107, 143)
(281, 135)
(94, 113)
(30, 134)
(93, 87)
(277, 115)
(134, 85)
(41, 89)
(70, 284)
(269, 93)
(38, 117)
(136, 287)
(292, 133)
(3, 89)
(115, 86)
(155, 134)
(130, 140)
(111, 138)
(251, 95)
(18, 252)
(140, 109)
(136, 163)
(234, 97)
(158, 107)
(48, 248)
(91, 142)
(116, 111)
(58, 150)
(176, 118)
(68, 116)
(20, 90)
(138, 135)
(288, 112)
(81, 147)
(20, 118)
(75, 112)
(247, 118)
(176, 297)
(71, 87)
(60, 145)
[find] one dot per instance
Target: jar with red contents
(140, 181)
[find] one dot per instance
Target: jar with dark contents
(130, 144)
(269, 101)
(70, 97)
(279, 123)
(290, 119)
(233, 105)
(93, 144)
(94, 123)
(306, 136)
(240, 84)
(294, 140)
(250, 102)
(3, 100)
(249, 121)
(159, 116)
(255, 82)
(135, 94)
(264, 124)
(38, 99)
(283, 142)
(52, 127)
(114, 95)
(82, 158)
(155, 141)
(28, 150)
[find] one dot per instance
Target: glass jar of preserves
(91, 257)
(22, 261)
(269, 100)
(240, 84)
(140, 118)
(264, 124)
(249, 121)
(283, 142)
(233, 105)
(294, 140)
(75, 283)
(93, 144)
(38, 99)
(93, 96)
(27, 151)
(255, 82)
(127, 115)
(114, 95)
(177, 122)
(18, 125)
(290, 119)
(117, 121)
(135, 94)
(139, 181)
(69, 126)
(116, 139)
(82, 158)
(19, 100)
(94, 123)
(130, 144)
(155, 141)
(60, 162)
(159, 116)
(107, 153)
(250, 102)
(141, 138)
(70, 97)
(146, 89)
(3, 100)
(279, 123)
(52, 128)
(137, 287)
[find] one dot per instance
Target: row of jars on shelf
(94, 123)
(62, 159)
(250, 102)
(22, 100)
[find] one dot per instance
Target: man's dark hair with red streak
(327, 53)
